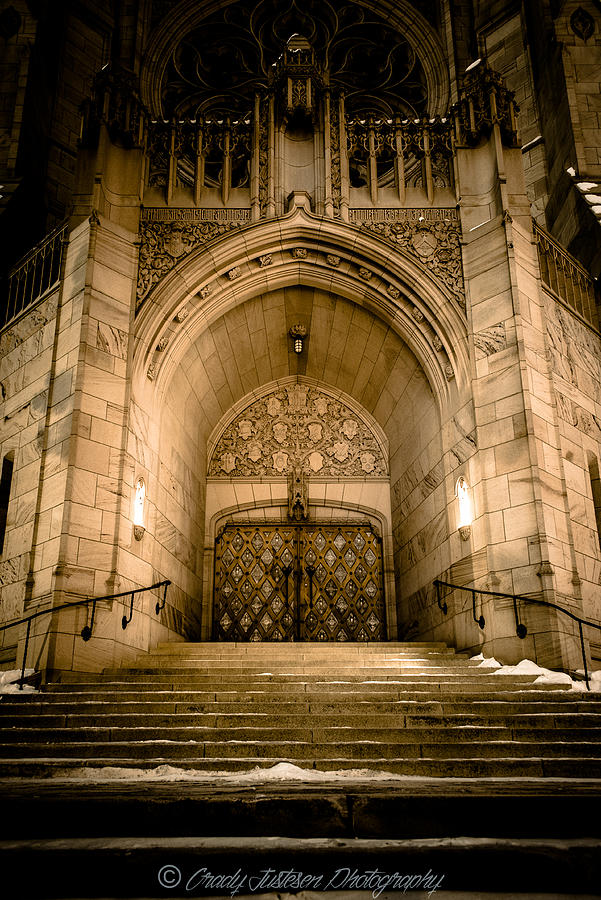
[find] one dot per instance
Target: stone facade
(395, 225)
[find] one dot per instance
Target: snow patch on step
(9, 685)
(282, 771)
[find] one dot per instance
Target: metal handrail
(520, 628)
(86, 631)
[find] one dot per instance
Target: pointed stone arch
(303, 249)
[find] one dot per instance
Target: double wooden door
(298, 582)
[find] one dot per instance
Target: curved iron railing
(520, 628)
(86, 631)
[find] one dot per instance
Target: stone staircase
(404, 708)
(493, 782)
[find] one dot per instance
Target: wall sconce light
(466, 515)
(139, 500)
(298, 333)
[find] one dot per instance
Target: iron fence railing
(34, 275)
(566, 277)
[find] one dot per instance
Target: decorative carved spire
(115, 103)
(484, 103)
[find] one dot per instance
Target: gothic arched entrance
(303, 572)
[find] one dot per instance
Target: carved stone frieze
(297, 428)
(430, 236)
(163, 243)
(335, 167)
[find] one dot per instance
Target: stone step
(335, 700)
(305, 646)
(284, 732)
(301, 749)
(298, 669)
(207, 675)
(210, 717)
(447, 867)
(265, 681)
(28, 705)
(532, 767)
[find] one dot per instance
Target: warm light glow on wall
(466, 515)
(139, 500)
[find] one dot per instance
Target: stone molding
(292, 239)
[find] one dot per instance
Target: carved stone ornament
(449, 372)
(485, 102)
(234, 273)
(297, 428)
(393, 291)
(182, 315)
(151, 371)
(437, 343)
(333, 260)
(164, 243)
(582, 24)
(163, 343)
(206, 291)
(265, 260)
(299, 253)
(364, 273)
(417, 314)
(432, 236)
(298, 498)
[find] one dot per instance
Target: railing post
(481, 622)
(520, 629)
(158, 607)
(127, 619)
(586, 678)
(441, 604)
(86, 631)
(23, 667)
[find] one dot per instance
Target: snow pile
(280, 772)
(543, 676)
(8, 679)
(490, 663)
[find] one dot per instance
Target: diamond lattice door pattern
(298, 582)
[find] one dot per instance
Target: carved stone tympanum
(297, 428)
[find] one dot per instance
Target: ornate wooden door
(298, 582)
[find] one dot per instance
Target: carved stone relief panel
(298, 427)
(164, 240)
(430, 235)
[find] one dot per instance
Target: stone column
(521, 497)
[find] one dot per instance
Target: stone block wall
(575, 353)
(26, 358)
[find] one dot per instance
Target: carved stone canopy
(298, 428)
